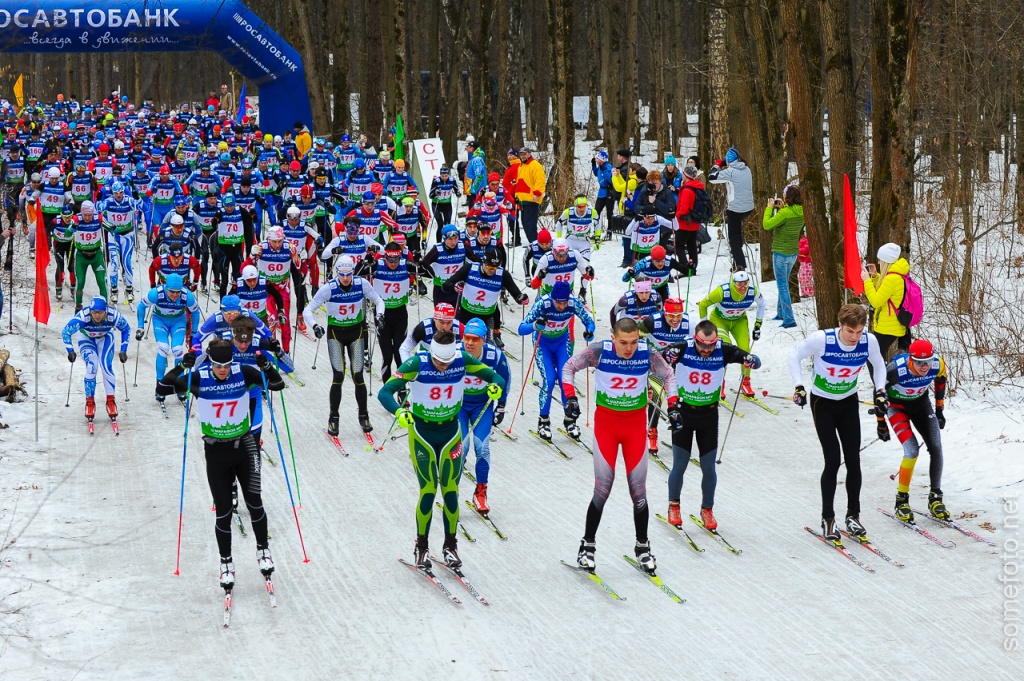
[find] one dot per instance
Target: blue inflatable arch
(227, 27)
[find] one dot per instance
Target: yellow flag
(19, 92)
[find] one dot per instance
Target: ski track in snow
(88, 557)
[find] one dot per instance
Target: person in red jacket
(686, 231)
(508, 184)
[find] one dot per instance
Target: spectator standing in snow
(785, 219)
(733, 172)
(530, 187)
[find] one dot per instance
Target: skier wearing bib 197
(119, 220)
(623, 363)
(477, 408)
(839, 354)
(731, 302)
(549, 320)
(221, 390)
(435, 380)
(908, 377)
(699, 369)
(343, 297)
(93, 327)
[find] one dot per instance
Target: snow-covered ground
(89, 527)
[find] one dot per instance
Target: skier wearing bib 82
(623, 363)
(839, 355)
(436, 382)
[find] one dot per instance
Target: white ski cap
(889, 253)
(294, 212)
(53, 172)
(443, 353)
(177, 219)
(88, 206)
(740, 276)
(346, 265)
(275, 234)
(250, 272)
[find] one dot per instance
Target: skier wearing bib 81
(623, 363)
(436, 379)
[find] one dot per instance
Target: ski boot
(572, 428)
(708, 518)
(332, 425)
(182, 397)
(59, 292)
(903, 510)
(645, 557)
(935, 505)
(205, 291)
(364, 422)
(544, 428)
(90, 407)
(675, 518)
(160, 398)
(421, 288)
(111, 407)
(264, 561)
(585, 558)
(652, 441)
(113, 295)
(129, 293)
(480, 499)
(450, 551)
(583, 294)
(497, 340)
(828, 529)
(302, 326)
(227, 573)
(854, 527)
(745, 388)
(420, 553)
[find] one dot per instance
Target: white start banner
(427, 159)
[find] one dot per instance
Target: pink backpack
(911, 310)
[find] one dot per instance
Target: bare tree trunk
(842, 106)
(562, 185)
(882, 200)
(718, 81)
(318, 101)
(592, 20)
(661, 98)
(632, 84)
(452, 37)
(480, 78)
(903, 23)
(371, 100)
(803, 51)
(509, 131)
(397, 49)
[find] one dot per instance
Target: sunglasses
(393, 258)
(345, 274)
(922, 363)
(220, 365)
(705, 344)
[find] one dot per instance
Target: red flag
(41, 306)
(851, 252)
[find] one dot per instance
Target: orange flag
(851, 252)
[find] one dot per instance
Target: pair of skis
(457, 573)
(228, 600)
(654, 579)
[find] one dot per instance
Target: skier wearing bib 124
(435, 380)
(731, 302)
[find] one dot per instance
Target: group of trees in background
(866, 88)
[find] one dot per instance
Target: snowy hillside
(89, 527)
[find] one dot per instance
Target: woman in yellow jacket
(885, 291)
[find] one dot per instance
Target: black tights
(225, 462)
(838, 425)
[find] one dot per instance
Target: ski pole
(731, 417)
(124, 374)
(523, 389)
(291, 447)
(70, 373)
(284, 466)
(588, 398)
(184, 454)
(317, 353)
(138, 347)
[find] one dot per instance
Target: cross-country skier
(87, 229)
(731, 302)
(419, 338)
(218, 325)
(435, 381)
(444, 260)
(623, 363)
(839, 355)
(172, 305)
(93, 327)
(220, 388)
(637, 303)
(118, 215)
(661, 329)
(391, 282)
(479, 285)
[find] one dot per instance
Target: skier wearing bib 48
(623, 363)
(908, 377)
(731, 302)
(699, 369)
(839, 354)
(478, 409)
(93, 327)
(435, 381)
(343, 297)
(221, 390)
(549, 320)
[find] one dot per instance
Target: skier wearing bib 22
(435, 380)
(622, 364)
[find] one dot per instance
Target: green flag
(399, 140)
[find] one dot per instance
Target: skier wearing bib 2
(622, 364)
(839, 355)
(436, 383)
(699, 368)
(221, 390)
(908, 377)
(479, 285)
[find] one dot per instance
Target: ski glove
(675, 417)
(628, 274)
(404, 418)
(138, 334)
(282, 318)
(318, 331)
(572, 408)
(262, 361)
(541, 274)
(123, 356)
(540, 324)
(494, 391)
(940, 418)
(588, 336)
(588, 273)
(188, 360)
(800, 396)
(499, 415)
(272, 345)
(380, 323)
(883, 430)
(757, 330)
(881, 404)
(72, 356)
(752, 362)
(524, 299)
